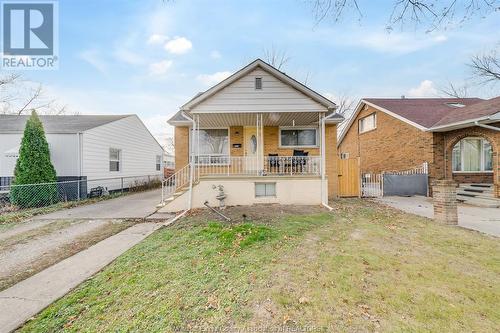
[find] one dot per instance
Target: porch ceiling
(250, 119)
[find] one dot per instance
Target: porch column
(181, 140)
(331, 160)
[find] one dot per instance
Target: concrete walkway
(27, 298)
(131, 206)
(486, 220)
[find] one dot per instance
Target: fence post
(122, 184)
(78, 188)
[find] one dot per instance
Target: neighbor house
(459, 138)
(263, 136)
(87, 147)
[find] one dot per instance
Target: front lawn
(360, 268)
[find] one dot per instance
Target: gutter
(477, 123)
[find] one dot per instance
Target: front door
(251, 149)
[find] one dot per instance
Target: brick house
(263, 136)
(459, 138)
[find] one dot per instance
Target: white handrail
(176, 181)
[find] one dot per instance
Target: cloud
(211, 79)
(426, 88)
(94, 58)
(157, 39)
(178, 45)
(394, 42)
(215, 54)
(128, 56)
(160, 68)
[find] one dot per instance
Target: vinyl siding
(275, 96)
(138, 149)
(63, 153)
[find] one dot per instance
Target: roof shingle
(57, 123)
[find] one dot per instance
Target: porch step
(480, 202)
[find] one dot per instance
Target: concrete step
(488, 202)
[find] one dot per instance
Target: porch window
(306, 137)
(472, 155)
(213, 146)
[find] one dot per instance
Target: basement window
(258, 83)
(265, 190)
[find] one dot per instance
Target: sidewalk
(485, 220)
(27, 298)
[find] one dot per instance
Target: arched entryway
(472, 158)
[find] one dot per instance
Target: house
(88, 147)
(263, 136)
(458, 137)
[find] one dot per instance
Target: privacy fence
(45, 194)
(409, 182)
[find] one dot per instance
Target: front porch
(287, 152)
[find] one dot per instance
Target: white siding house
(87, 147)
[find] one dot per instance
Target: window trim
(264, 196)
(158, 166)
(120, 164)
(261, 83)
(462, 156)
(222, 155)
(374, 114)
(298, 128)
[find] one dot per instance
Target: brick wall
(181, 142)
(393, 145)
(445, 201)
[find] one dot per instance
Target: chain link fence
(15, 197)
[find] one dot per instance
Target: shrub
(34, 167)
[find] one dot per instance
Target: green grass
(362, 268)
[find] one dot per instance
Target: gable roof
(65, 124)
(271, 70)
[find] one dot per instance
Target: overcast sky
(149, 57)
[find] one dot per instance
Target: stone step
(472, 185)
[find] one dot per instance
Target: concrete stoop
(480, 195)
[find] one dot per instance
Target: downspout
(323, 165)
(477, 123)
(191, 164)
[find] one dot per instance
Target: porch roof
(268, 119)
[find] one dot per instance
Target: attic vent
(258, 83)
(455, 105)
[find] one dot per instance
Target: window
(265, 190)
(212, 146)
(472, 155)
(368, 123)
(158, 162)
(115, 159)
(258, 83)
(306, 137)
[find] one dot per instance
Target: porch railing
(176, 181)
(255, 166)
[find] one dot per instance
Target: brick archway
(456, 136)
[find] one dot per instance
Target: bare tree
(18, 96)
(345, 104)
(169, 146)
(455, 91)
(430, 13)
(486, 67)
(276, 57)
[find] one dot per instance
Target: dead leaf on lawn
(212, 303)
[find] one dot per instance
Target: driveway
(131, 206)
(486, 220)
